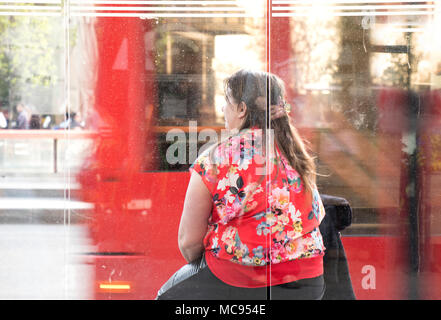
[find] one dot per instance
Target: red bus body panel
(151, 233)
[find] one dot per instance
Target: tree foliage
(27, 55)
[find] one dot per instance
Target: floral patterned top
(260, 215)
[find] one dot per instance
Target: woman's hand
(194, 219)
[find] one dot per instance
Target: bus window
(192, 58)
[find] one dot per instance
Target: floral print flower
(258, 252)
(256, 220)
(280, 236)
(223, 184)
(263, 228)
(226, 213)
(298, 226)
(279, 199)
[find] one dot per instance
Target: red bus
(376, 141)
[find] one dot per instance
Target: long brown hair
(253, 87)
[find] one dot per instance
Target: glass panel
(105, 105)
(41, 219)
(364, 76)
(157, 105)
(427, 77)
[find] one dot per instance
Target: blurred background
(90, 89)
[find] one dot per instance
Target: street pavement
(44, 262)
(43, 239)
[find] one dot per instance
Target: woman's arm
(194, 219)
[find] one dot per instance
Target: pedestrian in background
(23, 117)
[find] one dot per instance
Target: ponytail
(259, 91)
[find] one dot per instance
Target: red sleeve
(207, 171)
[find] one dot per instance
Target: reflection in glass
(363, 81)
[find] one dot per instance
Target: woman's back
(252, 208)
(259, 215)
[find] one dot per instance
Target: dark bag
(336, 271)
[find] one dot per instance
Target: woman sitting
(252, 210)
